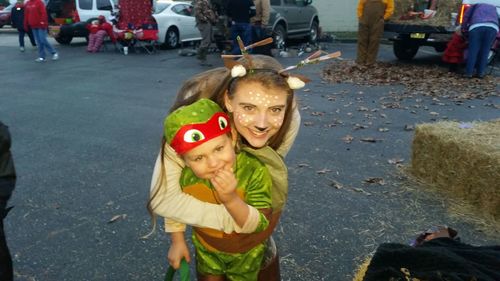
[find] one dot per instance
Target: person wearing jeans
(239, 12)
(17, 19)
(35, 17)
(480, 25)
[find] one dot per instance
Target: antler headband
(295, 81)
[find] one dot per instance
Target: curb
(355, 40)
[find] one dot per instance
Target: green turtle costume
(185, 129)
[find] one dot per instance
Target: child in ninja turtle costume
(215, 173)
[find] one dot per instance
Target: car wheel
(279, 36)
(313, 33)
(64, 40)
(405, 50)
(172, 38)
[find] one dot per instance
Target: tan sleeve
(173, 226)
(266, 10)
(170, 202)
(291, 135)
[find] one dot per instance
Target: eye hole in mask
(193, 136)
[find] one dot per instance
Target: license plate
(417, 35)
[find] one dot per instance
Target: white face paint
(258, 112)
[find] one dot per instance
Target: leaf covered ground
(434, 81)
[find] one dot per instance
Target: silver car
(288, 19)
(293, 19)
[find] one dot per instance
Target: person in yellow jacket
(371, 16)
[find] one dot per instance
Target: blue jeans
(21, 37)
(42, 43)
(244, 30)
(480, 41)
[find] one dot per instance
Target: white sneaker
(40, 60)
(21, 49)
(55, 56)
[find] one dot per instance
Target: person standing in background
(239, 12)
(17, 19)
(371, 16)
(7, 184)
(480, 26)
(35, 18)
(206, 17)
(259, 26)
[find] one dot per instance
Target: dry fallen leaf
(360, 126)
(317, 113)
(361, 191)
(395, 160)
(323, 171)
(117, 217)
(409, 127)
(336, 184)
(368, 139)
(348, 139)
(376, 180)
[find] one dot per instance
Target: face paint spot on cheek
(278, 122)
(242, 118)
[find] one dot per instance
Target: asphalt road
(86, 130)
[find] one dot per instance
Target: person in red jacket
(454, 53)
(35, 18)
(98, 30)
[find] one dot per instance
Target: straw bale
(441, 18)
(462, 160)
(361, 270)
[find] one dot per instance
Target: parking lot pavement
(86, 130)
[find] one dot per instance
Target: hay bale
(461, 159)
(441, 18)
(361, 270)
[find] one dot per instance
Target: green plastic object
(183, 271)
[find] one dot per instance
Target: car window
(290, 2)
(85, 4)
(275, 2)
(183, 9)
(8, 8)
(160, 7)
(104, 5)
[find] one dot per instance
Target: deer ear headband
(295, 81)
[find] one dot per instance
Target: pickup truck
(411, 34)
